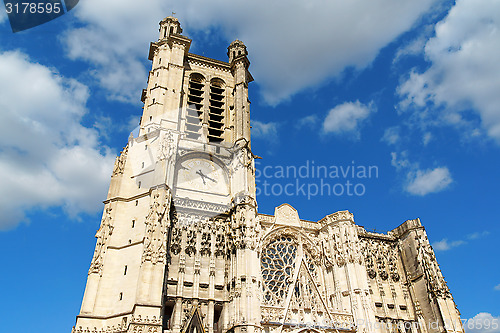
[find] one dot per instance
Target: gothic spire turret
(169, 26)
(236, 50)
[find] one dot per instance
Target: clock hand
(211, 179)
(203, 176)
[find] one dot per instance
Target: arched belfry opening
(195, 106)
(216, 110)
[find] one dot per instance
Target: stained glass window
(278, 264)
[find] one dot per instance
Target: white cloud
(497, 287)
(414, 47)
(418, 181)
(422, 182)
(427, 138)
(483, 322)
(308, 121)
(463, 75)
(263, 130)
(115, 40)
(477, 235)
(47, 158)
(116, 34)
(391, 135)
(102, 124)
(401, 161)
(445, 245)
(347, 118)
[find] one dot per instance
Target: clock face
(202, 175)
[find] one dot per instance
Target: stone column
(246, 266)
(344, 247)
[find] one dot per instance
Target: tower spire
(169, 26)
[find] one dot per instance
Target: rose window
(278, 264)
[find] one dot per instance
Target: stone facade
(182, 248)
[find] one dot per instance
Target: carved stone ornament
(175, 246)
(435, 280)
(286, 215)
(328, 258)
(334, 249)
(137, 324)
(190, 242)
(157, 222)
(243, 198)
(206, 237)
(242, 157)
(245, 230)
(213, 233)
(343, 215)
(120, 162)
(102, 235)
(380, 259)
(342, 244)
(166, 148)
(221, 230)
(200, 205)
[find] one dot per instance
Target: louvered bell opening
(194, 114)
(216, 112)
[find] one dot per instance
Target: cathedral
(182, 247)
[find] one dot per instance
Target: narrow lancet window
(194, 114)
(216, 111)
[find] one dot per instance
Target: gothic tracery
(292, 280)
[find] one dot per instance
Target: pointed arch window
(206, 106)
(278, 266)
(194, 115)
(216, 111)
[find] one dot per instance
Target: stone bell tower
(176, 249)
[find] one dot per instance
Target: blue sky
(410, 88)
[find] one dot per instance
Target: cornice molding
(207, 62)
